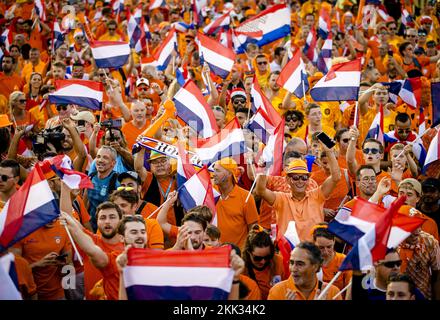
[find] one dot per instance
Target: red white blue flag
(293, 77)
(110, 54)
(84, 93)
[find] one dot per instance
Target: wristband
(235, 281)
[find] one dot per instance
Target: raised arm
(262, 191)
(351, 151)
(162, 215)
(335, 173)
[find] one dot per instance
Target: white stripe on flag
(178, 277)
(110, 51)
(234, 136)
(39, 195)
(343, 79)
(216, 59)
(397, 235)
(77, 90)
(362, 225)
(196, 189)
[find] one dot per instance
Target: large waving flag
(219, 58)
(259, 100)
(376, 128)
(199, 11)
(192, 108)
(154, 4)
(218, 24)
(293, 77)
(371, 229)
(57, 36)
(178, 275)
(197, 191)
(30, 208)
(411, 92)
(433, 151)
(310, 48)
(261, 125)
(406, 18)
(340, 83)
(40, 9)
(266, 27)
(63, 168)
(325, 55)
(6, 38)
(110, 54)
(134, 34)
(84, 93)
(9, 287)
(228, 142)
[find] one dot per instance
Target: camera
(54, 136)
(111, 123)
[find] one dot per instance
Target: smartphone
(62, 256)
(325, 139)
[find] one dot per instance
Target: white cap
(142, 81)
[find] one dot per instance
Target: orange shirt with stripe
(234, 216)
(279, 291)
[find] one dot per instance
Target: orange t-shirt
(35, 247)
(330, 270)
(131, 132)
(263, 277)
(91, 273)
(25, 278)
(154, 234)
(278, 291)
(9, 84)
(338, 193)
(254, 292)
(306, 212)
(234, 216)
(110, 276)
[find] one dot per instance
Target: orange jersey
(279, 291)
(131, 132)
(35, 247)
(330, 270)
(254, 291)
(25, 277)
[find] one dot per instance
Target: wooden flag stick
(327, 288)
(342, 291)
(252, 187)
(74, 245)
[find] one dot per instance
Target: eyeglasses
(259, 258)
(5, 177)
(372, 150)
(303, 177)
(111, 29)
(392, 264)
(345, 140)
(159, 163)
(262, 63)
(61, 107)
(291, 119)
(22, 100)
(411, 36)
(125, 188)
(236, 101)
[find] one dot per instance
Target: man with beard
(133, 232)
(9, 80)
(303, 283)
(294, 120)
(191, 233)
(429, 203)
(72, 144)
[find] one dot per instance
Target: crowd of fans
(122, 210)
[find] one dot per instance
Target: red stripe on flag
(97, 86)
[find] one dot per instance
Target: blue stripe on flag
(81, 101)
(140, 292)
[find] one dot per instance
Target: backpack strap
(112, 184)
(141, 207)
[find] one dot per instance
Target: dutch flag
(84, 93)
(110, 54)
(293, 77)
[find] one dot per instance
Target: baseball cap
(156, 155)
(431, 183)
(4, 121)
(414, 183)
(142, 81)
(297, 166)
(84, 115)
(131, 175)
(238, 92)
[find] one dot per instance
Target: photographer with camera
(112, 137)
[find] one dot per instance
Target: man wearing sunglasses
(306, 208)
(9, 178)
(262, 70)
(372, 286)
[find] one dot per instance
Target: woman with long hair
(262, 264)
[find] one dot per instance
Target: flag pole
(252, 187)
(342, 291)
(327, 288)
(304, 90)
(73, 245)
(158, 208)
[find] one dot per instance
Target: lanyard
(168, 190)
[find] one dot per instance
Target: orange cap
(4, 121)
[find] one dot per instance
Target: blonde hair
(397, 146)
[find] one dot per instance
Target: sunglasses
(404, 130)
(411, 36)
(219, 109)
(61, 107)
(262, 63)
(345, 140)
(372, 150)
(5, 177)
(392, 28)
(125, 188)
(143, 89)
(392, 264)
(242, 101)
(259, 258)
(291, 119)
(101, 74)
(111, 29)
(302, 177)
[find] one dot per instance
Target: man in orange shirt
(303, 284)
(127, 201)
(135, 127)
(9, 178)
(235, 216)
(9, 80)
(35, 64)
(332, 260)
(306, 208)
